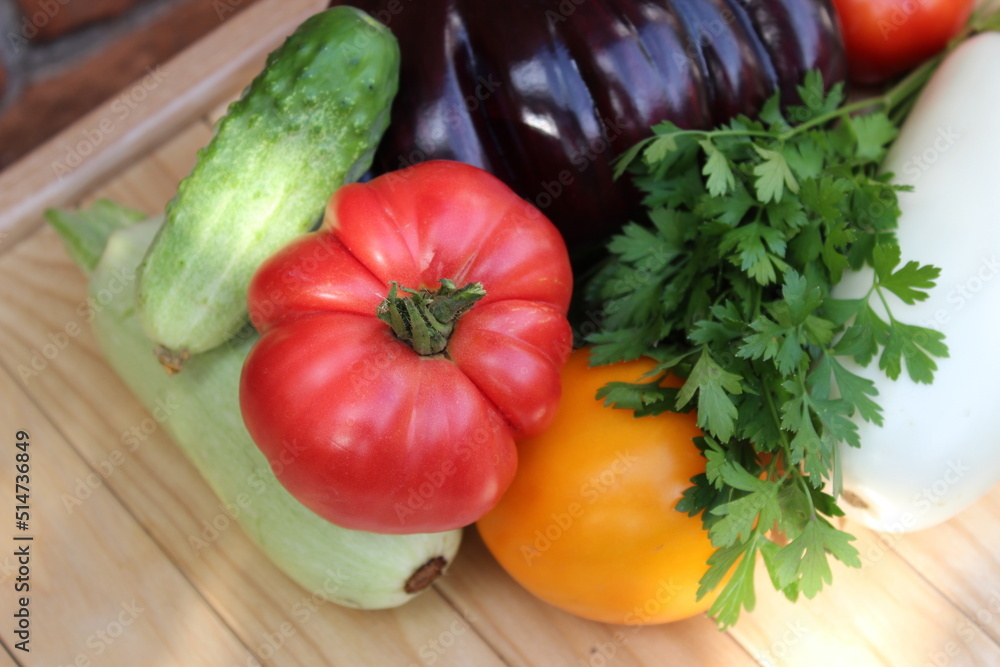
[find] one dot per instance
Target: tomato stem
(425, 319)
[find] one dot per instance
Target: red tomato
(358, 425)
(885, 38)
(589, 524)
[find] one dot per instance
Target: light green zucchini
(353, 568)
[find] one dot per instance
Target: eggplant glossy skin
(798, 36)
(546, 93)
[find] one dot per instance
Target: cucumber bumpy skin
(352, 568)
(307, 124)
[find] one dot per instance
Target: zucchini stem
(85, 232)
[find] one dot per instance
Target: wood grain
(98, 582)
(885, 613)
(961, 558)
(931, 598)
(539, 634)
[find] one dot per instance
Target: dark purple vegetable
(546, 93)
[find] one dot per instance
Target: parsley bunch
(728, 286)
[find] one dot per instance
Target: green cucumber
(308, 123)
(353, 568)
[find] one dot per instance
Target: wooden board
(115, 580)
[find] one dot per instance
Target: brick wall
(61, 58)
(44, 20)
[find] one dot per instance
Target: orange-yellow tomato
(589, 523)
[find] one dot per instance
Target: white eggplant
(939, 448)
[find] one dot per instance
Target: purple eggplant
(546, 93)
(799, 36)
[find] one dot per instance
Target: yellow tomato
(589, 523)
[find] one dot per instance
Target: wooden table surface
(115, 579)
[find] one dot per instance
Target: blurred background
(61, 58)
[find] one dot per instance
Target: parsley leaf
(873, 132)
(720, 176)
(915, 345)
(803, 561)
(773, 175)
(631, 396)
(716, 410)
(854, 389)
(728, 283)
(911, 282)
(739, 591)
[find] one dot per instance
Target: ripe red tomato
(885, 38)
(387, 436)
(589, 524)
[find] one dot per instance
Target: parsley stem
(838, 475)
(885, 302)
(785, 444)
(712, 134)
(808, 494)
(895, 102)
(823, 119)
(899, 100)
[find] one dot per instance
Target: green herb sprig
(728, 286)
